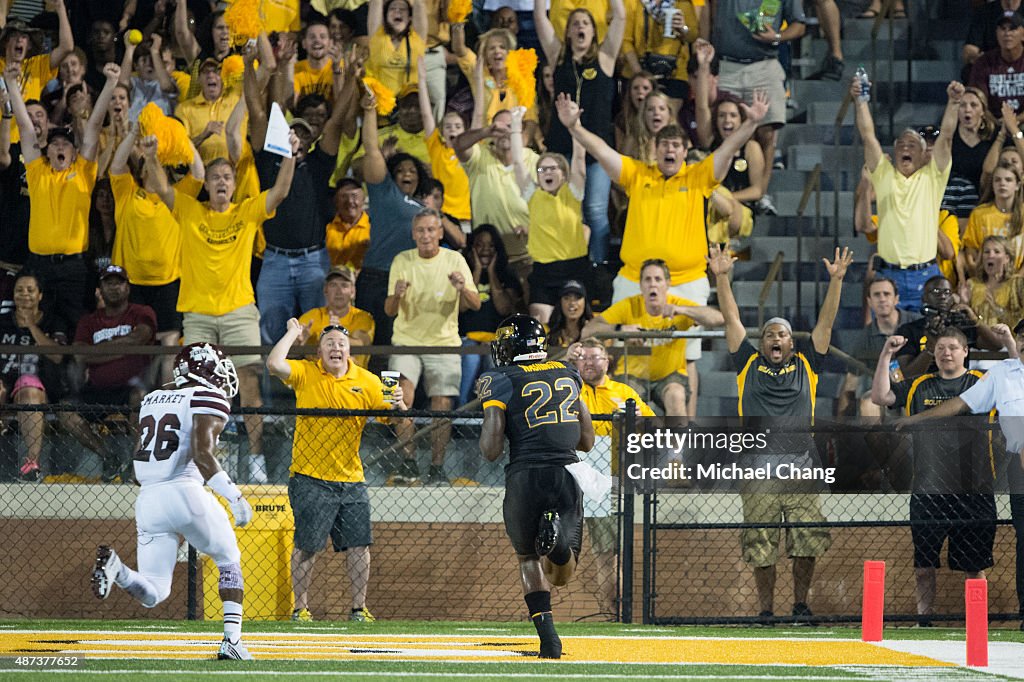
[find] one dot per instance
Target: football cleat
(550, 647)
(548, 532)
(108, 565)
(233, 652)
(302, 616)
(363, 615)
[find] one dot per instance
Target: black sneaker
(115, 471)
(547, 533)
(765, 619)
(436, 476)
(831, 70)
(802, 614)
(407, 473)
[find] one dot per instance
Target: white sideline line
(351, 673)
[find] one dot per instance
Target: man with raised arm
(909, 193)
(60, 184)
(778, 379)
(216, 296)
(666, 207)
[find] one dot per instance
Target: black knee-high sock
(539, 605)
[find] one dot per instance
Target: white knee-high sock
(232, 621)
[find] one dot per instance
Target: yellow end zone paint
(312, 646)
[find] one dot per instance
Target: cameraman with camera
(940, 308)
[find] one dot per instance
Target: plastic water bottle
(895, 373)
(865, 84)
(8, 111)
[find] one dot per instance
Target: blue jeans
(289, 286)
(472, 367)
(910, 284)
(595, 211)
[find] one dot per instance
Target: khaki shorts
(239, 327)
(761, 545)
(650, 391)
(442, 374)
(742, 80)
(603, 532)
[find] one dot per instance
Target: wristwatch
(1019, 134)
(778, 39)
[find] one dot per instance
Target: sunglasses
(333, 328)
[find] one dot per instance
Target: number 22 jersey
(165, 432)
(541, 405)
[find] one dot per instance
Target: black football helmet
(206, 364)
(519, 338)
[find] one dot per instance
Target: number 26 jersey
(541, 405)
(165, 432)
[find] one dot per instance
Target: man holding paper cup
(327, 489)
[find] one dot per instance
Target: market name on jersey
(163, 398)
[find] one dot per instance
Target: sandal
(899, 14)
(868, 14)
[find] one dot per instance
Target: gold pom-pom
(458, 10)
(173, 145)
(522, 80)
(231, 70)
(385, 98)
(243, 20)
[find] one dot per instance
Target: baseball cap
(208, 63)
(66, 133)
(1015, 20)
(777, 320)
(301, 123)
(113, 271)
(341, 271)
(407, 90)
(573, 287)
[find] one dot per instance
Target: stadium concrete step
(911, 113)
(763, 249)
(747, 293)
(857, 51)
(804, 157)
(807, 133)
(940, 29)
(787, 202)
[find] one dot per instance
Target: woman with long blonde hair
(996, 291)
(656, 112)
(629, 119)
(1002, 216)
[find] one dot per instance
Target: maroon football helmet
(206, 364)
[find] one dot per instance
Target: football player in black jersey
(536, 404)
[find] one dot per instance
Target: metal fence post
(193, 584)
(628, 426)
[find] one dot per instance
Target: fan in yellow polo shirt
(666, 199)
(327, 448)
(662, 374)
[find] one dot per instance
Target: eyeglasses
(929, 132)
(333, 328)
(938, 291)
(547, 169)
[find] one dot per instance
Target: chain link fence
(652, 553)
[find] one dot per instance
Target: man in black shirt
(778, 382)
(952, 470)
(296, 258)
(537, 405)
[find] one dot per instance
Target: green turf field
(132, 650)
